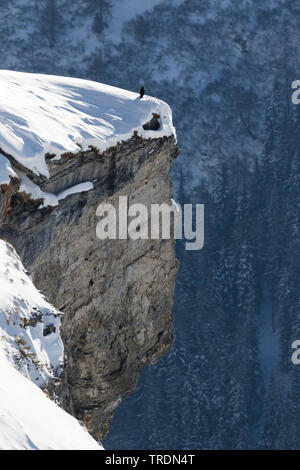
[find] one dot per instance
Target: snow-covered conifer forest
(226, 68)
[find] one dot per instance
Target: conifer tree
(51, 23)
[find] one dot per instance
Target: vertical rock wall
(116, 295)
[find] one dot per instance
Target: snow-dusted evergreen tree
(273, 414)
(51, 22)
(100, 10)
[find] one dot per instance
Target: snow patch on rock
(6, 171)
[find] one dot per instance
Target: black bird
(142, 92)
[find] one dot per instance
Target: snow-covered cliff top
(48, 114)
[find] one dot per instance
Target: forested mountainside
(225, 67)
(229, 382)
(215, 61)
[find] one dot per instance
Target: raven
(142, 92)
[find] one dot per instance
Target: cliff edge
(116, 295)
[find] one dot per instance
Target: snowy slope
(30, 421)
(29, 325)
(30, 342)
(47, 114)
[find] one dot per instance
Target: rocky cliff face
(116, 295)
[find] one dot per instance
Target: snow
(175, 205)
(5, 171)
(37, 356)
(30, 421)
(50, 199)
(78, 188)
(35, 191)
(42, 114)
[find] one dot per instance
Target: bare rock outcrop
(116, 295)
